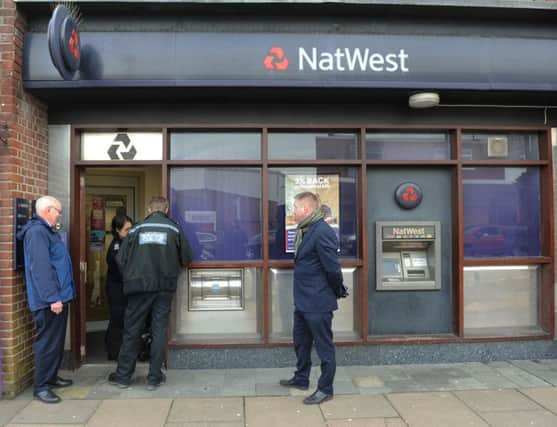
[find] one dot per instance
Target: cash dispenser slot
(408, 255)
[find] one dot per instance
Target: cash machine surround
(408, 255)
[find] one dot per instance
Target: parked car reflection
(495, 240)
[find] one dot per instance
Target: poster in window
(326, 187)
(97, 234)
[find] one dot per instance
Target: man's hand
(56, 307)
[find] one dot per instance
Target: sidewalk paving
(511, 393)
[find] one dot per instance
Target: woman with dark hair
(117, 301)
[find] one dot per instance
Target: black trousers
(315, 328)
(48, 347)
(117, 302)
(139, 307)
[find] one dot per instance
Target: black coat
(317, 272)
(152, 255)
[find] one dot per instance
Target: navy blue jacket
(317, 270)
(48, 266)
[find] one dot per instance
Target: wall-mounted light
(423, 100)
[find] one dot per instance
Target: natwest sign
(118, 59)
(352, 59)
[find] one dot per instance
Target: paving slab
(434, 409)
(207, 410)
(345, 387)
(545, 396)
(204, 424)
(65, 412)
(9, 408)
(132, 413)
(369, 381)
(282, 412)
(274, 389)
(358, 406)
(521, 419)
(545, 370)
(497, 400)
(518, 376)
(45, 425)
(368, 422)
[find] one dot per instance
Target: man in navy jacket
(317, 284)
(50, 287)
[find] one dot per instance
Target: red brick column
(23, 173)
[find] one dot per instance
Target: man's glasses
(58, 210)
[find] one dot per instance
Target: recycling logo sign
(122, 149)
(121, 146)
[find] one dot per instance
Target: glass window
(501, 212)
(313, 146)
(339, 195)
(282, 305)
(215, 146)
(219, 323)
(219, 209)
(500, 146)
(501, 300)
(407, 146)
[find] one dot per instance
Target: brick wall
(23, 173)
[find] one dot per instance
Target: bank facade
(444, 214)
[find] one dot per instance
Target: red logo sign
(276, 60)
(409, 195)
(73, 44)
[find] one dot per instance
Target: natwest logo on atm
(339, 60)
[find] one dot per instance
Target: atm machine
(408, 255)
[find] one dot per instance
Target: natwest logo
(276, 60)
(340, 60)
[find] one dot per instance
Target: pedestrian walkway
(511, 393)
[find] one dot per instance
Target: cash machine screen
(392, 266)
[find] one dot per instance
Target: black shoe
(47, 396)
(293, 384)
(153, 385)
(113, 381)
(60, 382)
(317, 397)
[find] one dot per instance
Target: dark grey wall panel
(144, 112)
(410, 312)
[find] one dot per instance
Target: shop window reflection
(501, 212)
(407, 145)
(313, 146)
(219, 210)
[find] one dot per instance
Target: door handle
(83, 269)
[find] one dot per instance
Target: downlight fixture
(423, 100)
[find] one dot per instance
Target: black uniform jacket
(152, 255)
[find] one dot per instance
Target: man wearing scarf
(317, 285)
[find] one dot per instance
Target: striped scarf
(304, 225)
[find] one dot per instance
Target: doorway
(107, 191)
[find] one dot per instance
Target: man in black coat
(317, 285)
(150, 259)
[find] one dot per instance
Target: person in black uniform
(318, 283)
(150, 260)
(120, 227)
